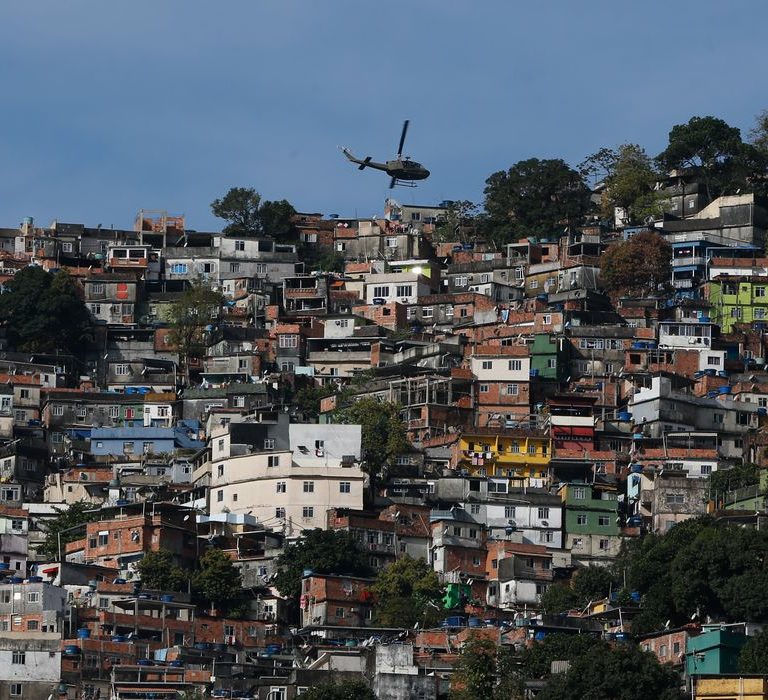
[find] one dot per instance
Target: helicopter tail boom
(364, 163)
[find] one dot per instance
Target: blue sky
(114, 106)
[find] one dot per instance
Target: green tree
(698, 569)
(593, 583)
(559, 598)
(158, 572)
(483, 672)
(624, 672)
(277, 219)
(63, 528)
(736, 477)
(754, 654)
(534, 197)
(714, 149)
(758, 135)
(535, 661)
(383, 433)
(344, 690)
(43, 312)
(638, 267)
(322, 551)
(458, 222)
(247, 215)
(307, 399)
(217, 581)
(629, 178)
(196, 309)
(408, 592)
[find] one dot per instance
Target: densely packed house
(547, 423)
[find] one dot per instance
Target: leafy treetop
(247, 215)
(322, 551)
(43, 311)
(408, 592)
(533, 198)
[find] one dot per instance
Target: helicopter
(402, 170)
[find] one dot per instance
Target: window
(220, 495)
(280, 513)
(179, 269)
(514, 447)
(675, 498)
(427, 312)
(269, 443)
(19, 657)
(546, 319)
(340, 612)
(281, 487)
(543, 513)
(718, 418)
(603, 544)
(234, 267)
(403, 290)
(103, 538)
(273, 461)
(706, 469)
(288, 341)
(33, 597)
(603, 520)
(487, 364)
(676, 648)
(345, 487)
(759, 291)
(307, 512)
(532, 449)
(484, 388)
(581, 519)
(509, 511)
(663, 650)
(309, 487)
(474, 509)
(579, 493)
(17, 525)
(220, 470)
(460, 281)
(15, 689)
(24, 394)
(240, 245)
(391, 242)
(534, 284)
(381, 291)
(511, 390)
(515, 365)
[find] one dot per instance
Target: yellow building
(520, 455)
(731, 688)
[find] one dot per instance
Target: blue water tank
(635, 468)
(762, 411)
(118, 638)
(637, 436)
(166, 598)
(474, 622)
(624, 415)
(83, 633)
(724, 390)
(71, 650)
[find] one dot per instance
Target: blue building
(139, 440)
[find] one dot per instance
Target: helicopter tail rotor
(402, 138)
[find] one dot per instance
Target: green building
(549, 357)
(590, 522)
(738, 300)
(713, 652)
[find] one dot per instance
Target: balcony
(695, 260)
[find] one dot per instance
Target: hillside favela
(506, 449)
